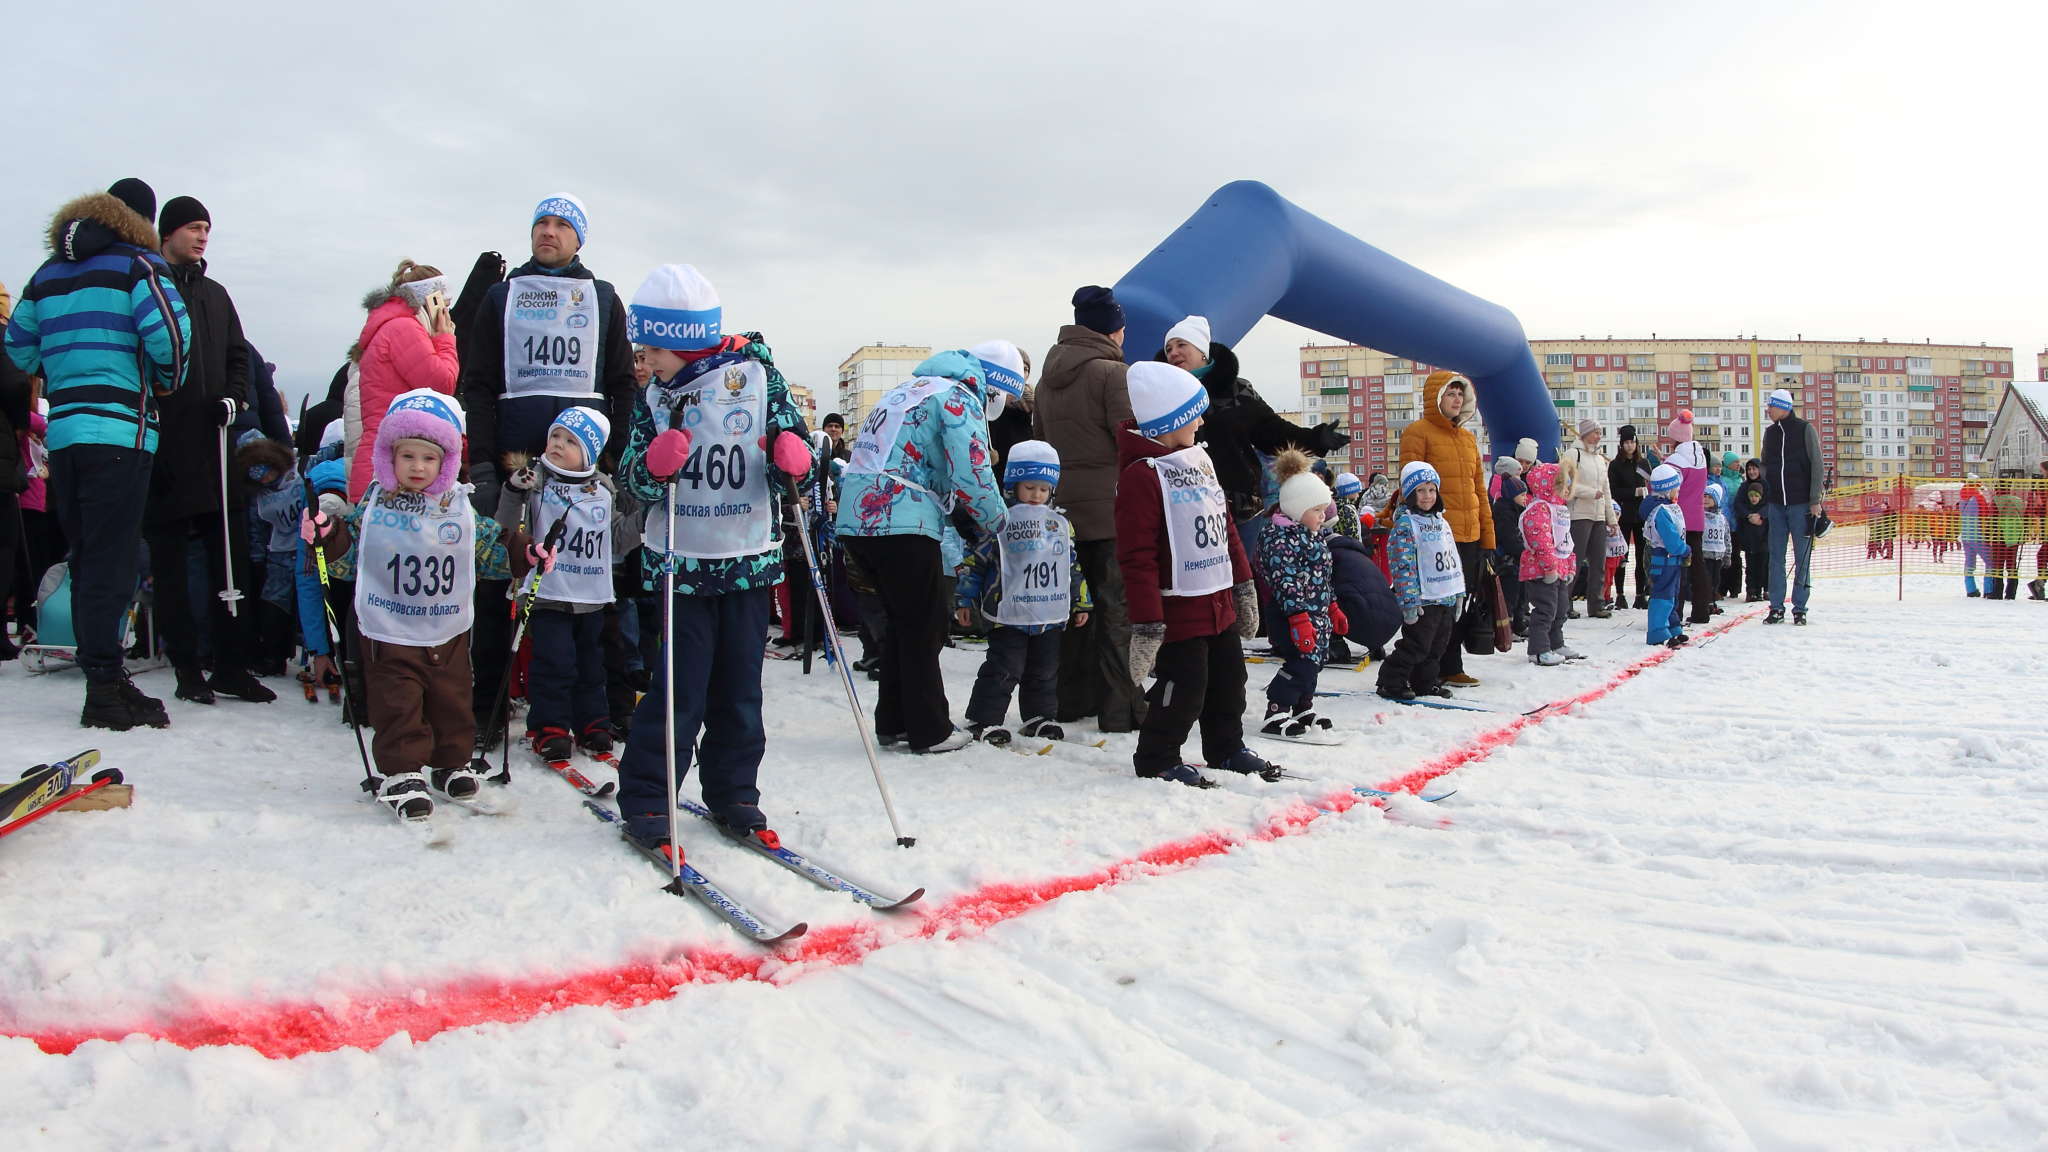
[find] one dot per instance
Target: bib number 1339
(415, 576)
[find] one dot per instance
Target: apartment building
(1881, 408)
(869, 372)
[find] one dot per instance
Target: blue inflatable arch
(1249, 253)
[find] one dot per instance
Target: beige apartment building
(869, 372)
(1881, 408)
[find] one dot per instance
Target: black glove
(488, 270)
(1327, 439)
(228, 411)
(1486, 562)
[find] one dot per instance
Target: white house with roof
(2018, 441)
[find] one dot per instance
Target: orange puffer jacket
(1444, 445)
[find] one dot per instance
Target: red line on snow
(283, 1029)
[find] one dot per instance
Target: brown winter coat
(1081, 399)
(1446, 446)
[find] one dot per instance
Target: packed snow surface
(1787, 890)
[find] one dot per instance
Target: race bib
(1032, 542)
(416, 567)
(1436, 557)
(720, 496)
(1561, 531)
(1197, 523)
(884, 427)
(551, 337)
(583, 561)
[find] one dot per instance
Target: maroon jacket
(1141, 549)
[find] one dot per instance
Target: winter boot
(1396, 693)
(1799, 617)
(406, 794)
(994, 735)
(458, 783)
(308, 687)
(1571, 653)
(1179, 774)
(104, 707)
(192, 686)
(597, 738)
(1776, 616)
(552, 744)
(1041, 729)
(1246, 762)
(1678, 641)
(740, 821)
(1279, 722)
(953, 742)
(238, 684)
(1435, 690)
(1550, 659)
(147, 710)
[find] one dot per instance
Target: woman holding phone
(408, 342)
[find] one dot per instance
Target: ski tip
(794, 931)
(905, 902)
(606, 789)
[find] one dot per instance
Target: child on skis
(1025, 577)
(714, 426)
(1348, 488)
(1715, 545)
(1186, 582)
(1664, 531)
(565, 680)
(417, 549)
(329, 480)
(277, 497)
(1509, 494)
(1428, 581)
(1294, 559)
(1548, 563)
(1617, 551)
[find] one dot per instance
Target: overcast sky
(940, 173)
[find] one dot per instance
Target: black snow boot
(238, 684)
(598, 738)
(104, 707)
(145, 709)
(192, 686)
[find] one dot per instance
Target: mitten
(1328, 439)
(1340, 624)
(1246, 597)
(311, 528)
(1410, 615)
(792, 455)
(667, 453)
(1302, 631)
(1145, 642)
(542, 557)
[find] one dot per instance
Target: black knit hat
(180, 211)
(1096, 309)
(833, 418)
(135, 194)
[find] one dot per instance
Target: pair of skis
(693, 883)
(45, 788)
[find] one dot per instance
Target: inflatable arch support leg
(1248, 253)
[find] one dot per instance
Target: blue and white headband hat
(568, 208)
(1002, 367)
(1348, 484)
(591, 429)
(1781, 399)
(1164, 398)
(675, 308)
(1032, 460)
(1416, 473)
(1664, 479)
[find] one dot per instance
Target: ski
(1419, 702)
(803, 866)
(1382, 794)
(45, 788)
(1328, 666)
(699, 887)
(568, 771)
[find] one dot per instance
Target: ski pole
(228, 592)
(349, 703)
(836, 657)
(668, 677)
(501, 709)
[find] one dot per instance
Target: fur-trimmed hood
(259, 451)
(88, 224)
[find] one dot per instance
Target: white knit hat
(1032, 460)
(1163, 397)
(1002, 366)
(675, 308)
(1525, 450)
(1348, 484)
(1301, 492)
(1664, 479)
(1417, 472)
(1193, 329)
(1781, 398)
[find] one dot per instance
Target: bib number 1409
(554, 350)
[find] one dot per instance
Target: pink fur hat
(421, 414)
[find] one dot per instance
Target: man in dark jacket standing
(1628, 482)
(1792, 489)
(185, 488)
(1239, 423)
(547, 338)
(103, 325)
(1081, 399)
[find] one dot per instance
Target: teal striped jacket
(102, 324)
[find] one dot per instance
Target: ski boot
(993, 735)
(1678, 641)
(745, 822)
(308, 687)
(598, 739)
(1400, 694)
(952, 742)
(650, 832)
(1246, 762)
(458, 783)
(405, 793)
(1041, 729)
(553, 744)
(1178, 774)
(1437, 689)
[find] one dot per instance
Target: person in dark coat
(313, 421)
(184, 510)
(1362, 592)
(1239, 424)
(1628, 482)
(265, 411)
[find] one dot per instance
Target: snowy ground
(1787, 890)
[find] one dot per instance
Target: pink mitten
(542, 557)
(792, 455)
(667, 453)
(312, 527)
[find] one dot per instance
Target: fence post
(1898, 537)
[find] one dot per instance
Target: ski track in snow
(1784, 891)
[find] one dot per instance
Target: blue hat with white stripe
(1033, 460)
(591, 429)
(1416, 473)
(675, 308)
(1002, 367)
(568, 208)
(1164, 397)
(1348, 484)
